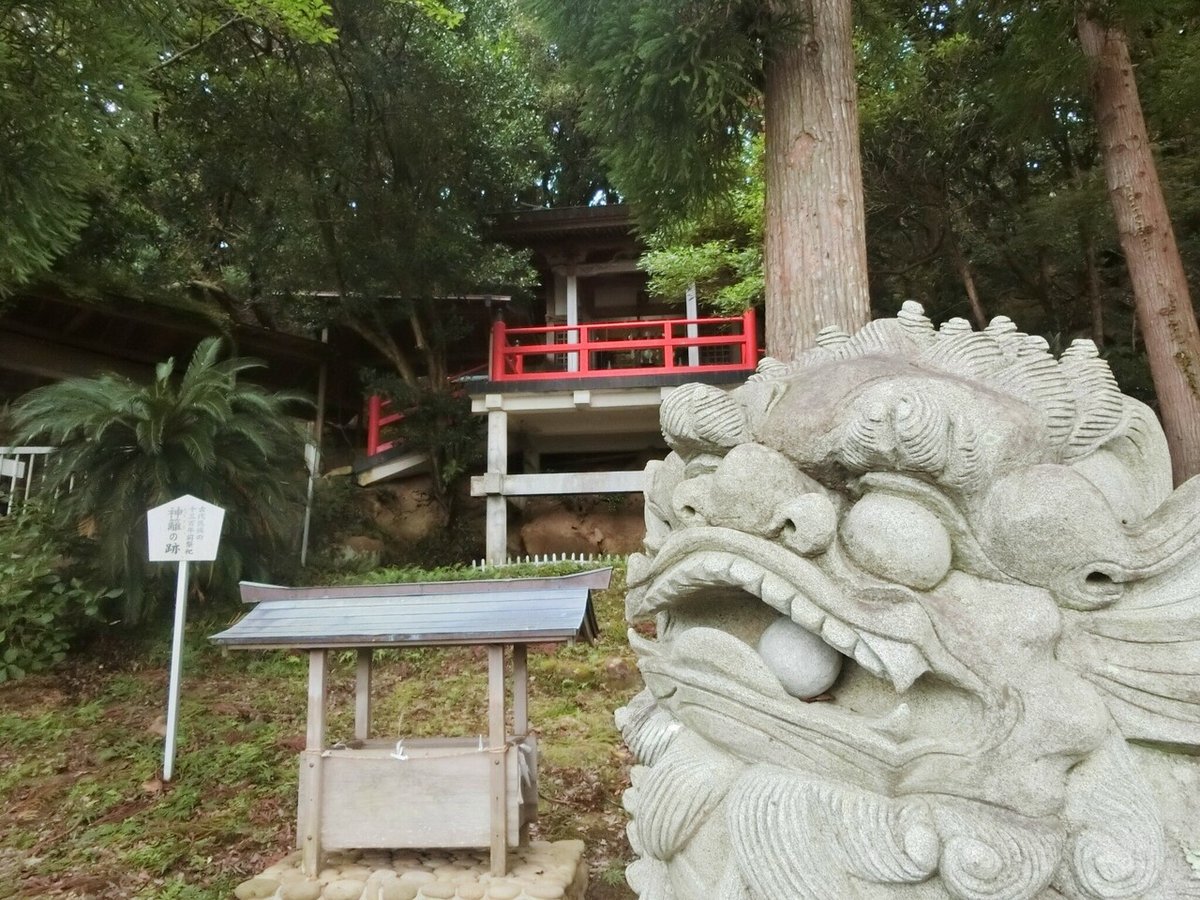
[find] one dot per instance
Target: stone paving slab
(539, 870)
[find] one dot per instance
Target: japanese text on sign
(184, 529)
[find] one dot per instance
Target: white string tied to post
(401, 752)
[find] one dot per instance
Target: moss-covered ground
(84, 812)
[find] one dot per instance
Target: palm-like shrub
(126, 447)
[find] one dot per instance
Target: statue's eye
(898, 540)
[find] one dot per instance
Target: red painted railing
(606, 349)
(380, 415)
(598, 350)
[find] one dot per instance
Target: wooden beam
(45, 359)
(407, 464)
(558, 483)
(693, 330)
(637, 396)
(497, 746)
(318, 670)
(615, 267)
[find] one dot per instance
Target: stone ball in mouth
(804, 664)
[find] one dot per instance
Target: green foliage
(720, 251)
(980, 160)
(43, 603)
(410, 574)
(307, 20)
(670, 90)
(437, 421)
(81, 93)
(125, 448)
(64, 66)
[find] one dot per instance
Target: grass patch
(83, 811)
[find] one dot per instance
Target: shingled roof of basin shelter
(507, 610)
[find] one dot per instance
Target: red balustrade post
(668, 345)
(374, 411)
(583, 337)
(499, 337)
(749, 338)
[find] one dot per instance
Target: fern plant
(126, 447)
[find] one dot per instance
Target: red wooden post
(498, 341)
(374, 408)
(749, 338)
(585, 355)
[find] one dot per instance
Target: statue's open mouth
(715, 591)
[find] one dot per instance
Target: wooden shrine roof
(498, 611)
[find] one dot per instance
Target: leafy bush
(437, 421)
(124, 448)
(411, 574)
(43, 605)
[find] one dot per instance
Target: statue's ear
(757, 399)
(1133, 469)
(700, 418)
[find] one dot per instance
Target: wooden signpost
(184, 530)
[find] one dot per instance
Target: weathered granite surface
(539, 870)
(928, 626)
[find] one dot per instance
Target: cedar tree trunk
(815, 254)
(1160, 291)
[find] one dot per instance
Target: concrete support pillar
(572, 319)
(693, 312)
(497, 506)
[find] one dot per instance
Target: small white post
(181, 588)
(496, 528)
(693, 330)
(183, 530)
(572, 320)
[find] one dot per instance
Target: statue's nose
(693, 502)
(758, 491)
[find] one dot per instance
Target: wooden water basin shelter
(399, 793)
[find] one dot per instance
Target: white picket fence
(22, 470)
(540, 559)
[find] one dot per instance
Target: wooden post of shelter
(497, 749)
(314, 745)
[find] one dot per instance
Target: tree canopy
(81, 80)
(290, 162)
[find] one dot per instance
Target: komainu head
(927, 626)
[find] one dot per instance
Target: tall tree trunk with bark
(1161, 299)
(815, 254)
